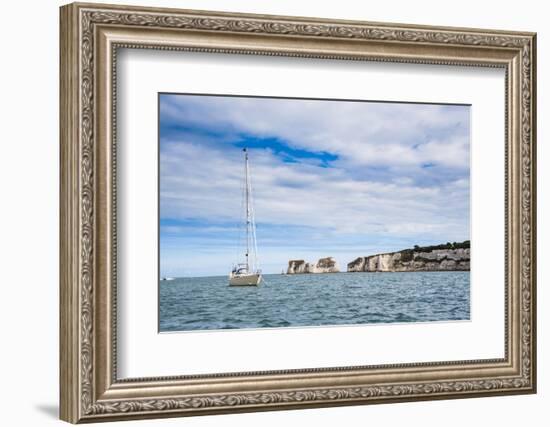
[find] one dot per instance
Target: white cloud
(359, 132)
(201, 182)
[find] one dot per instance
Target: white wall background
(29, 170)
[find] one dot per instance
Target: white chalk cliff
(411, 260)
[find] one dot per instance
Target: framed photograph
(267, 212)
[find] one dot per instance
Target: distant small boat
(167, 278)
(247, 273)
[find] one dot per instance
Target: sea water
(208, 303)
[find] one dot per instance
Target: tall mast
(247, 202)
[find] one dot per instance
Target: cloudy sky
(330, 178)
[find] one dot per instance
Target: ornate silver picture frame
(91, 37)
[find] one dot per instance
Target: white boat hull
(245, 279)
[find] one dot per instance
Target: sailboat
(247, 273)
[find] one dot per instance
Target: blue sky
(330, 178)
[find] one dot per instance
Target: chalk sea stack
(323, 265)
